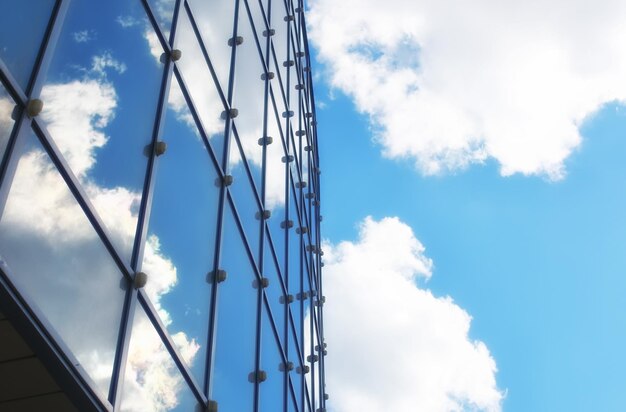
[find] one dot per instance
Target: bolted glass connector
(310, 195)
(300, 133)
(325, 353)
(269, 32)
(322, 264)
(312, 358)
(300, 54)
(175, 55)
(315, 203)
(308, 115)
(235, 41)
(219, 276)
(326, 396)
(266, 214)
(257, 377)
(288, 299)
(307, 148)
(310, 248)
(263, 141)
(288, 114)
(303, 370)
(322, 409)
(264, 282)
(300, 185)
(288, 63)
(302, 296)
(298, 9)
(287, 159)
(306, 69)
(140, 280)
(34, 107)
(287, 224)
(267, 76)
(211, 406)
(314, 123)
(285, 367)
(299, 86)
(321, 218)
(302, 230)
(160, 147)
(227, 180)
(288, 17)
(232, 113)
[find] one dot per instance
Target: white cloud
(127, 21)
(412, 351)
(82, 36)
(448, 84)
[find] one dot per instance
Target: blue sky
(537, 262)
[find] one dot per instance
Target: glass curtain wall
(159, 198)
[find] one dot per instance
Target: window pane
(271, 391)
(152, 382)
(274, 292)
(236, 324)
(100, 104)
(180, 246)
(163, 11)
(249, 97)
(206, 99)
(215, 21)
(22, 28)
(245, 200)
(7, 106)
(58, 262)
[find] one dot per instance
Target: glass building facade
(159, 205)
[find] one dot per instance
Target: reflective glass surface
(179, 252)
(271, 391)
(245, 200)
(163, 11)
(20, 43)
(152, 382)
(249, 97)
(7, 112)
(206, 99)
(215, 21)
(100, 103)
(106, 96)
(59, 263)
(236, 324)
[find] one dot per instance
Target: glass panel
(163, 11)
(100, 103)
(271, 391)
(245, 200)
(180, 246)
(58, 262)
(152, 382)
(249, 97)
(215, 21)
(236, 324)
(294, 282)
(274, 292)
(296, 374)
(20, 42)
(7, 107)
(205, 99)
(279, 39)
(275, 177)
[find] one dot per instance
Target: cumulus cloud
(413, 353)
(448, 84)
(42, 219)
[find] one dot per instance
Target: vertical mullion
(130, 302)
